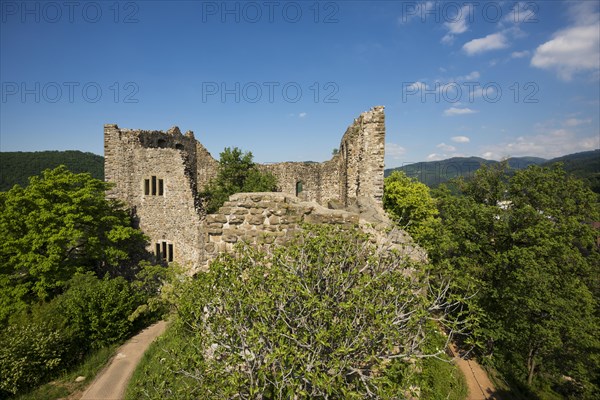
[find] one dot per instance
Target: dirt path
(478, 382)
(112, 381)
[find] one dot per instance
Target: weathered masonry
(159, 175)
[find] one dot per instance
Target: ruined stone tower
(159, 174)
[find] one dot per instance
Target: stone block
(255, 219)
(245, 203)
(225, 210)
(235, 219)
(267, 204)
(290, 219)
(230, 238)
(231, 231)
(210, 247)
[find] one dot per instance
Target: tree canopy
(17, 167)
(409, 203)
(237, 173)
(525, 246)
(60, 224)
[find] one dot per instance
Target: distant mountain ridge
(17, 167)
(584, 165)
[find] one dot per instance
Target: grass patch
(151, 378)
(438, 379)
(441, 379)
(65, 385)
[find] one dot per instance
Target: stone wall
(172, 215)
(159, 175)
(274, 218)
(357, 170)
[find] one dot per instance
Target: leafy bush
(54, 336)
(237, 173)
(60, 224)
(30, 353)
(327, 316)
(409, 203)
(98, 310)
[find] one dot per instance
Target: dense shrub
(29, 354)
(59, 225)
(409, 203)
(327, 316)
(98, 310)
(53, 336)
(236, 173)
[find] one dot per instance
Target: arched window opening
(298, 187)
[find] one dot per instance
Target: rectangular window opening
(147, 187)
(158, 251)
(153, 186)
(170, 252)
(160, 187)
(164, 250)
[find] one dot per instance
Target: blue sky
(285, 78)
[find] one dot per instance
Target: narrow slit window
(164, 250)
(170, 253)
(161, 187)
(153, 186)
(298, 187)
(147, 187)
(158, 251)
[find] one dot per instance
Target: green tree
(51, 337)
(527, 242)
(409, 203)
(60, 224)
(326, 316)
(237, 173)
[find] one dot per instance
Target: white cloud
(418, 86)
(452, 111)
(471, 76)
(446, 147)
(519, 54)
(522, 12)
(416, 10)
(461, 139)
(435, 157)
(583, 12)
(572, 122)
(570, 51)
(456, 24)
(550, 144)
(394, 151)
(302, 115)
(493, 41)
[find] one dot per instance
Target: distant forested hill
(585, 165)
(433, 173)
(17, 167)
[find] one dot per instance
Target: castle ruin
(159, 176)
